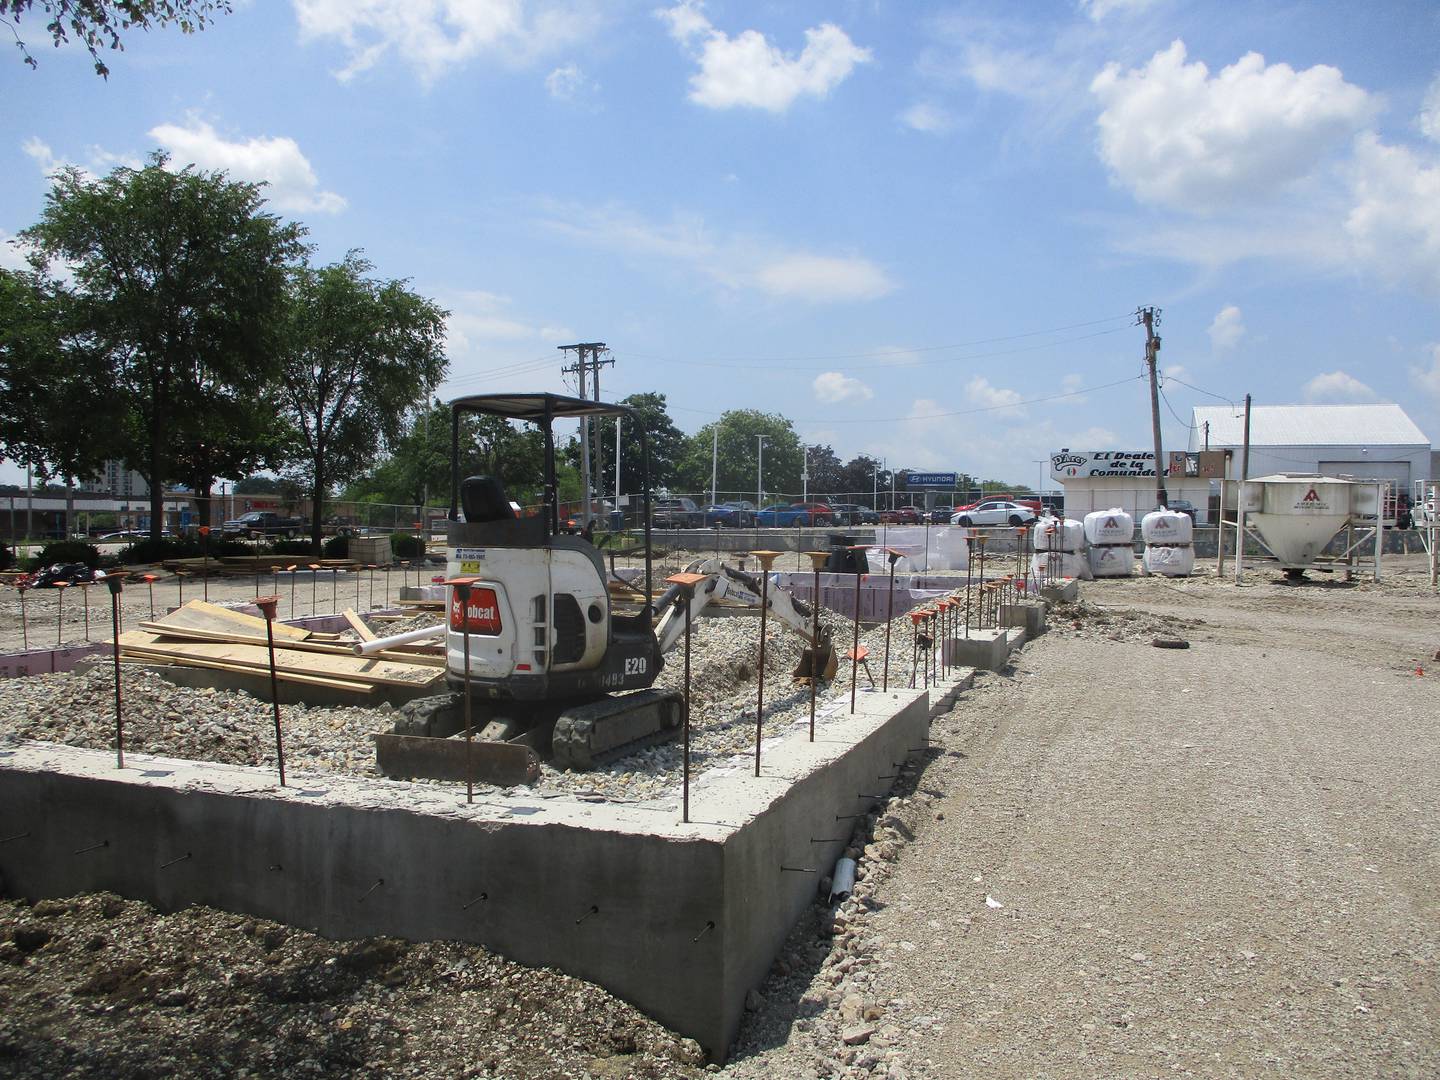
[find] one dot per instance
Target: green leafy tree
(824, 469)
(738, 457)
(98, 24)
(667, 443)
(178, 287)
(357, 353)
(862, 475)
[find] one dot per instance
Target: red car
(1027, 502)
(909, 515)
(815, 513)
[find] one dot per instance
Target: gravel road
(1220, 861)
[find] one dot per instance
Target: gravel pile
(96, 986)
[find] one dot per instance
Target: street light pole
(760, 471)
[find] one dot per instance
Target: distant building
(1373, 442)
(118, 481)
(1125, 479)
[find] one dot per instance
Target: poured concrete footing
(681, 919)
(987, 649)
(1063, 592)
(1027, 615)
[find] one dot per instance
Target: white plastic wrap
(1170, 561)
(1114, 560)
(1113, 526)
(1167, 528)
(1065, 564)
(1067, 535)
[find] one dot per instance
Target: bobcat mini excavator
(554, 670)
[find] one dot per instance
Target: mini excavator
(554, 669)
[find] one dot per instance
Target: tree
(56, 417)
(234, 433)
(666, 442)
(861, 474)
(738, 454)
(97, 23)
(824, 468)
(178, 287)
(358, 352)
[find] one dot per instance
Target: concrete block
(1027, 615)
(681, 919)
(988, 649)
(1066, 592)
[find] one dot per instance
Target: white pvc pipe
(367, 648)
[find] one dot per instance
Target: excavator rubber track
(592, 734)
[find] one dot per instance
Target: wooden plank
(358, 624)
(363, 668)
(200, 615)
(366, 689)
(185, 633)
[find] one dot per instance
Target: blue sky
(909, 227)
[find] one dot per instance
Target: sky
(921, 231)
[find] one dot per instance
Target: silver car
(994, 512)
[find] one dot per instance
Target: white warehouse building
(1377, 442)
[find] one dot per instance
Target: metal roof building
(1369, 441)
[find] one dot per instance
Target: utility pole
(1240, 499)
(595, 352)
(1207, 435)
(581, 369)
(1150, 317)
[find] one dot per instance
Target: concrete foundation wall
(679, 919)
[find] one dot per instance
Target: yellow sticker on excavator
(470, 566)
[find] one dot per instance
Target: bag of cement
(1067, 535)
(1112, 526)
(1167, 528)
(1170, 561)
(1060, 564)
(1112, 560)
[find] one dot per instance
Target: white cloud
(1175, 136)
(40, 153)
(1395, 222)
(983, 393)
(476, 316)
(737, 262)
(435, 35)
(1227, 328)
(1336, 386)
(1428, 378)
(926, 116)
(11, 253)
(831, 387)
(747, 71)
(822, 278)
(1174, 371)
(1100, 9)
(1429, 118)
(570, 83)
(274, 160)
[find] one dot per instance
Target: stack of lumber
(207, 635)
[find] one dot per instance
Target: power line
(741, 361)
(942, 415)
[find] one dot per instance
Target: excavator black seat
(482, 498)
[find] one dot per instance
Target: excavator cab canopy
(542, 410)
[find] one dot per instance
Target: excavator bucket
(815, 660)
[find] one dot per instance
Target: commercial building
(1373, 442)
(1106, 479)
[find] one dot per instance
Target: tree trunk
(157, 486)
(203, 501)
(317, 504)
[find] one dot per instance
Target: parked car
(816, 513)
(1182, 506)
(258, 523)
(677, 513)
(853, 514)
(1030, 502)
(941, 515)
(779, 514)
(737, 514)
(909, 515)
(994, 512)
(888, 517)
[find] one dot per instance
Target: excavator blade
(407, 757)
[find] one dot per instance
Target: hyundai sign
(931, 479)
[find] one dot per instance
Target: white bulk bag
(1065, 564)
(1115, 560)
(1066, 535)
(1167, 528)
(1170, 561)
(1113, 526)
